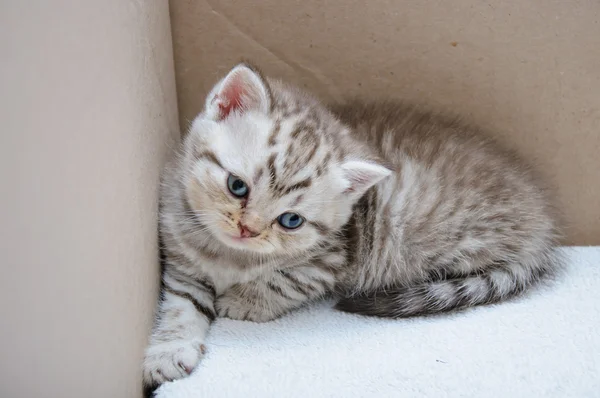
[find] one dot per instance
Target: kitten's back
(396, 126)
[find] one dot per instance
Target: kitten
(276, 200)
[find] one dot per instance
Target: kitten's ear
(361, 175)
(243, 89)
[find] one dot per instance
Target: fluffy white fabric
(544, 345)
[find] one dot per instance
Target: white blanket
(544, 345)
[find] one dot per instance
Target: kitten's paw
(171, 360)
(230, 305)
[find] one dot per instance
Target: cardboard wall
(88, 111)
(530, 70)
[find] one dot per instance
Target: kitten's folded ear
(361, 175)
(242, 90)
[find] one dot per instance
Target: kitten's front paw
(171, 360)
(234, 306)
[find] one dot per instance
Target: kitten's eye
(290, 220)
(237, 187)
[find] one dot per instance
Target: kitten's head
(269, 170)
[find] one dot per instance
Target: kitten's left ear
(361, 175)
(243, 89)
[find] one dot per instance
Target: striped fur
(407, 213)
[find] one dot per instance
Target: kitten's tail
(494, 285)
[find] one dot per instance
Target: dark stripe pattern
(207, 312)
(210, 156)
(202, 284)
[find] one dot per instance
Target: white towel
(544, 345)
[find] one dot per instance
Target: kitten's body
(457, 223)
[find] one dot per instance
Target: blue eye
(237, 187)
(290, 220)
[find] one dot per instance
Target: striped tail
(494, 285)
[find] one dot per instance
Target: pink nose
(246, 232)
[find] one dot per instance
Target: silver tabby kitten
(276, 200)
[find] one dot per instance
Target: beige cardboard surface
(530, 70)
(87, 104)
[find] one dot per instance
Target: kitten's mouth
(246, 243)
(237, 240)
